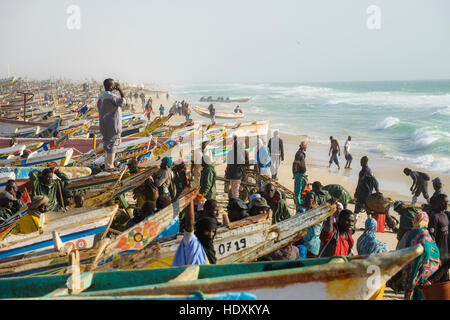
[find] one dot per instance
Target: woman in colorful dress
(421, 268)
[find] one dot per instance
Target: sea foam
(387, 123)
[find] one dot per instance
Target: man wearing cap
(43, 184)
(259, 206)
(407, 215)
(279, 207)
(7, 202)
(30, 220)
(110, 120)
(163, 179)
(299, 172)
(237, 209)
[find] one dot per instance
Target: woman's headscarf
(206, 223)
(367, 243)
(420, 220)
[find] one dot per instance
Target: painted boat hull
(218, 115)
(324, 279)
(78, 228)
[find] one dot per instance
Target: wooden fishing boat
(129, 241)
(51, 158)
(22, 173)
(80, 228)
(5, 153)
(140, 235)
(243, 241)
(335, 278)
(203, 99)
(219, 115)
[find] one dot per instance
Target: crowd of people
(198, 223)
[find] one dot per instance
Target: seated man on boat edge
(196, 247)
(43, 184)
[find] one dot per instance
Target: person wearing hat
(43, 184)
(163, 179)
(196, 247)
(7, 202)
(439, 225)
(253, 196)
(208, 179)
(259, 206)
(237, 209)
(30, 220)
(279, 207)
(420, 184)
(407, 215)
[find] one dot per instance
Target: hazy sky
(226, 41)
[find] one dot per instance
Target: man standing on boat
(110, 120)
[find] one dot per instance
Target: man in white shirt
(110, 120)
(347, 154)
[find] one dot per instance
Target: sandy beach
(393, 182)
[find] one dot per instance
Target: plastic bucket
(437, 291)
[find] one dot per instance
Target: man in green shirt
(322, 195)
(279, 207)
(339, 192)
(43, 184)
(208, 179)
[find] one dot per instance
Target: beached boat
(142, 234)
(335, 278)
(203, 99)
(81, 228)
(219, 115)
(131, 240)
(51, 158)
(22, 173)
(243, 241)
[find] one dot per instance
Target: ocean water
(404, 120)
